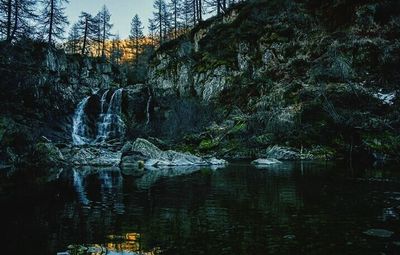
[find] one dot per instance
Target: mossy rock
(264, 139)
(208, 144)
(47, 155)
(239, 128)
(320, 152)
(385, 143)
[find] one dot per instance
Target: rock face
(300, 84)
(152, 157)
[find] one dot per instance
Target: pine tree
(175, 7)
(17, 19)
(152, 27)
(116, 52)
(54, 19)
(87, 30)
(136, 36)
(73, 43)
(159, 18)
(5, 19)
(186, 13)
(105, 26)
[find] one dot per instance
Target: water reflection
(103, 185)
(293, 208)
(128, 244)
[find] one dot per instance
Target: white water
(103, 101)
(79, 128)
(110, 124)
(148, 107)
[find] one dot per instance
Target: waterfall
(148, 107)
(79, 128)
(103, 101)
(80, 189)
(110, 123)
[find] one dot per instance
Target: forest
(200, 126)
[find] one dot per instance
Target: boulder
(152, 157)
(47, 154)
(266, 161)
(381, 233)
(282, 153)
(92, 156)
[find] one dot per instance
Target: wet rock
(289, 237)
(376, 232)
(282, 153)
(390, 214)
(47, 154)
(266, 161)
(152, 156)
(92, 156)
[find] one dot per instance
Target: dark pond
(293, 208)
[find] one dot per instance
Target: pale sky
(122, 12)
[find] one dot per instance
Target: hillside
(322, 76)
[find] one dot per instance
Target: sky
(122, 12)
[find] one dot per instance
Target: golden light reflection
(129, 243)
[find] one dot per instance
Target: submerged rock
(151, 156)
(263, 161)
(376, 232)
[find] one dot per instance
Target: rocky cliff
(40, 88)
(318, 75)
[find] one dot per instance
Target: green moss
(208, 144)
(264, 139)
(386, 143)
(239, 128)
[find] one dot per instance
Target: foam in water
(109, 125)
(148, 107)
(79, 128)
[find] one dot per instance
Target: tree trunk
(85, 36)
(103, 50)
(9, 15)
(160, 18)
(200, 11)
(15, 20)
(51, 20)
(194, 12)
(175, 19)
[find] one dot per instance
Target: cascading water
(148, 107)
(79, 128)
(111, 124)
(103, 101)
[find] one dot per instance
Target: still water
(293, 208)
